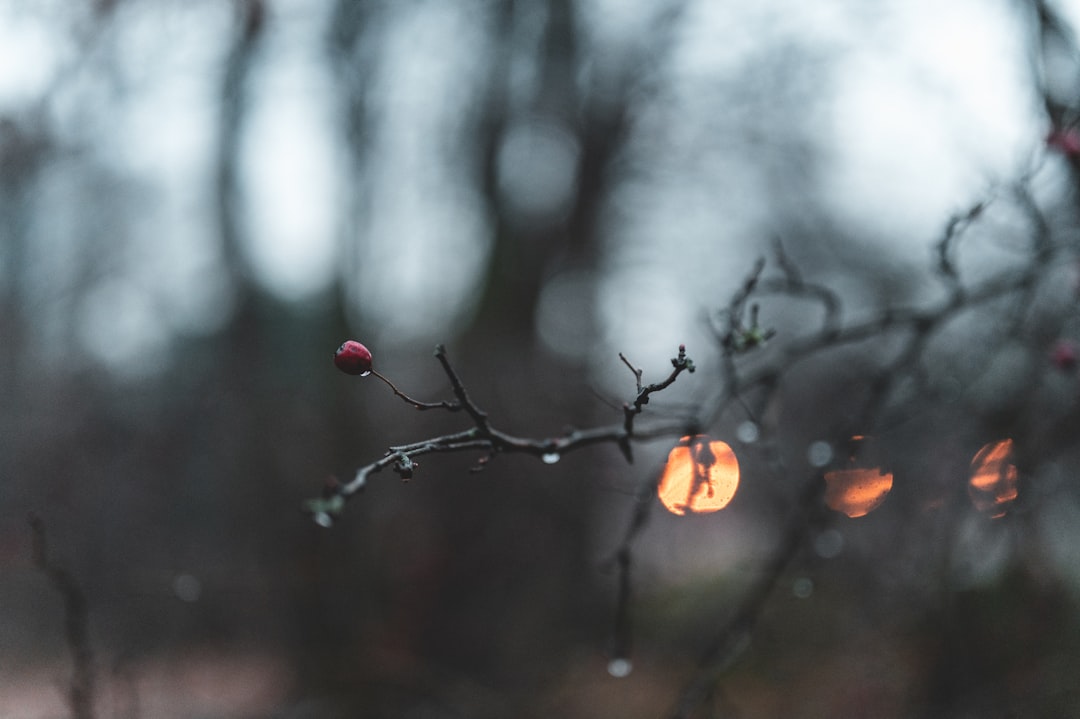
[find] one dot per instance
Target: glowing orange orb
(700, 476)
(858, 491)
(993, 478)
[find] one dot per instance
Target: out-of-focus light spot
(420, 259)
(892, 122)
(993, 483)
(620, 667)
(857, 492)
(422, 231)
(292, 184)
(700, 476)
(632, 297)
(209, 301)
(803, 587)
(748, 432)
(537, 168)
(38, 45)
(829, 544)
(119, 325)
(565, 316)
(187, 588)
(855, 489)
(950, 389)
(819, 453)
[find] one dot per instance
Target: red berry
(353, 358)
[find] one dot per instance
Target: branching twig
(478, 415)
(483, 437)
(738, 337)
(631, 410)
(921, 324)
(637, 372)
(945, 248)
(739, 330)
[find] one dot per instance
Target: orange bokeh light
(700, 476)
(993, 478)
(858, 491)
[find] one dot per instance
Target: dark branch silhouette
(484, 437)
(76, 623)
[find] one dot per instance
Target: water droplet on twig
(550, 457)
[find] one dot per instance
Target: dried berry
(353, 358)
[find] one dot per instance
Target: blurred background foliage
(199, 200)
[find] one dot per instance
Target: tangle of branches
(750, 381)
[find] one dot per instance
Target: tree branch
(483, 437)
(921, 324)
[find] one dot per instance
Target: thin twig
(448, 406)
(920, 323)
(478, 415)
(483, 437)
(680, 364)
(76, 622)
(637, 372)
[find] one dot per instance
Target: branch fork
(483, 437)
